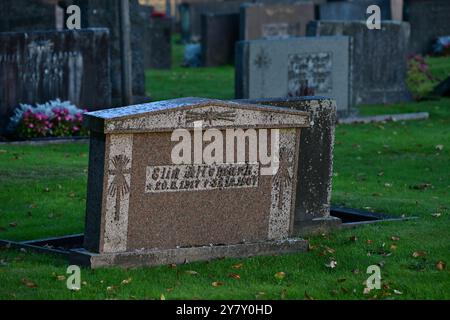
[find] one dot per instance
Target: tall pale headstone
(284, 67)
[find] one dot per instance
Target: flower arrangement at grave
(420, 81)
(52, 119)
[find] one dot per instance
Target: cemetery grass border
(400, 168)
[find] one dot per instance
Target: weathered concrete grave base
(155, 257)
(317, 226)
(70, 248)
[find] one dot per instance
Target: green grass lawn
(181, 82)
(400, 168)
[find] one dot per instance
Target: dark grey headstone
(353, 10)
(220, 32)
(104, 14)
(158, 43)
(429, 20)
(26, 15)
(379, 58)
(40, 66)
(190, 15)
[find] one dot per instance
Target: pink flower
(75, 129)
(31, 126)
(27, 113)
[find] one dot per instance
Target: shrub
(52, 119)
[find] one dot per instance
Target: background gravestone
(278, 20)
(104, 13)
(429, 19)
(190, 11)
(283, 68)
(27, 15)
(190, 16)
(354, 10)
(379, 59)
(220, 32)
(158, 43)
(40, 66)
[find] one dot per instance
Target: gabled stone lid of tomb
(184, 113)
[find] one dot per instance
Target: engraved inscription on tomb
(312, 70)
(177, 178)
(275, 31)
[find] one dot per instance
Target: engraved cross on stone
(283, 178)
(119, 187)
(262, 59)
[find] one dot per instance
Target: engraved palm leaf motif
(210, 116)
(283, 178)
(119, 187)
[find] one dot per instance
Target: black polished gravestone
(104, 14)
(429, 19)
(220, 32)
(191, 12)
(36, 67)
(158, 43)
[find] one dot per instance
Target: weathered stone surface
(27, 15)
(315, 167)
(158, 43)
(183, 255)
(280, 68)
(104, 14)
(273, 21)
(40, 66)
(356, 10)
(379, 57)
(429, 19)
(220, 32)
(148, 202)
